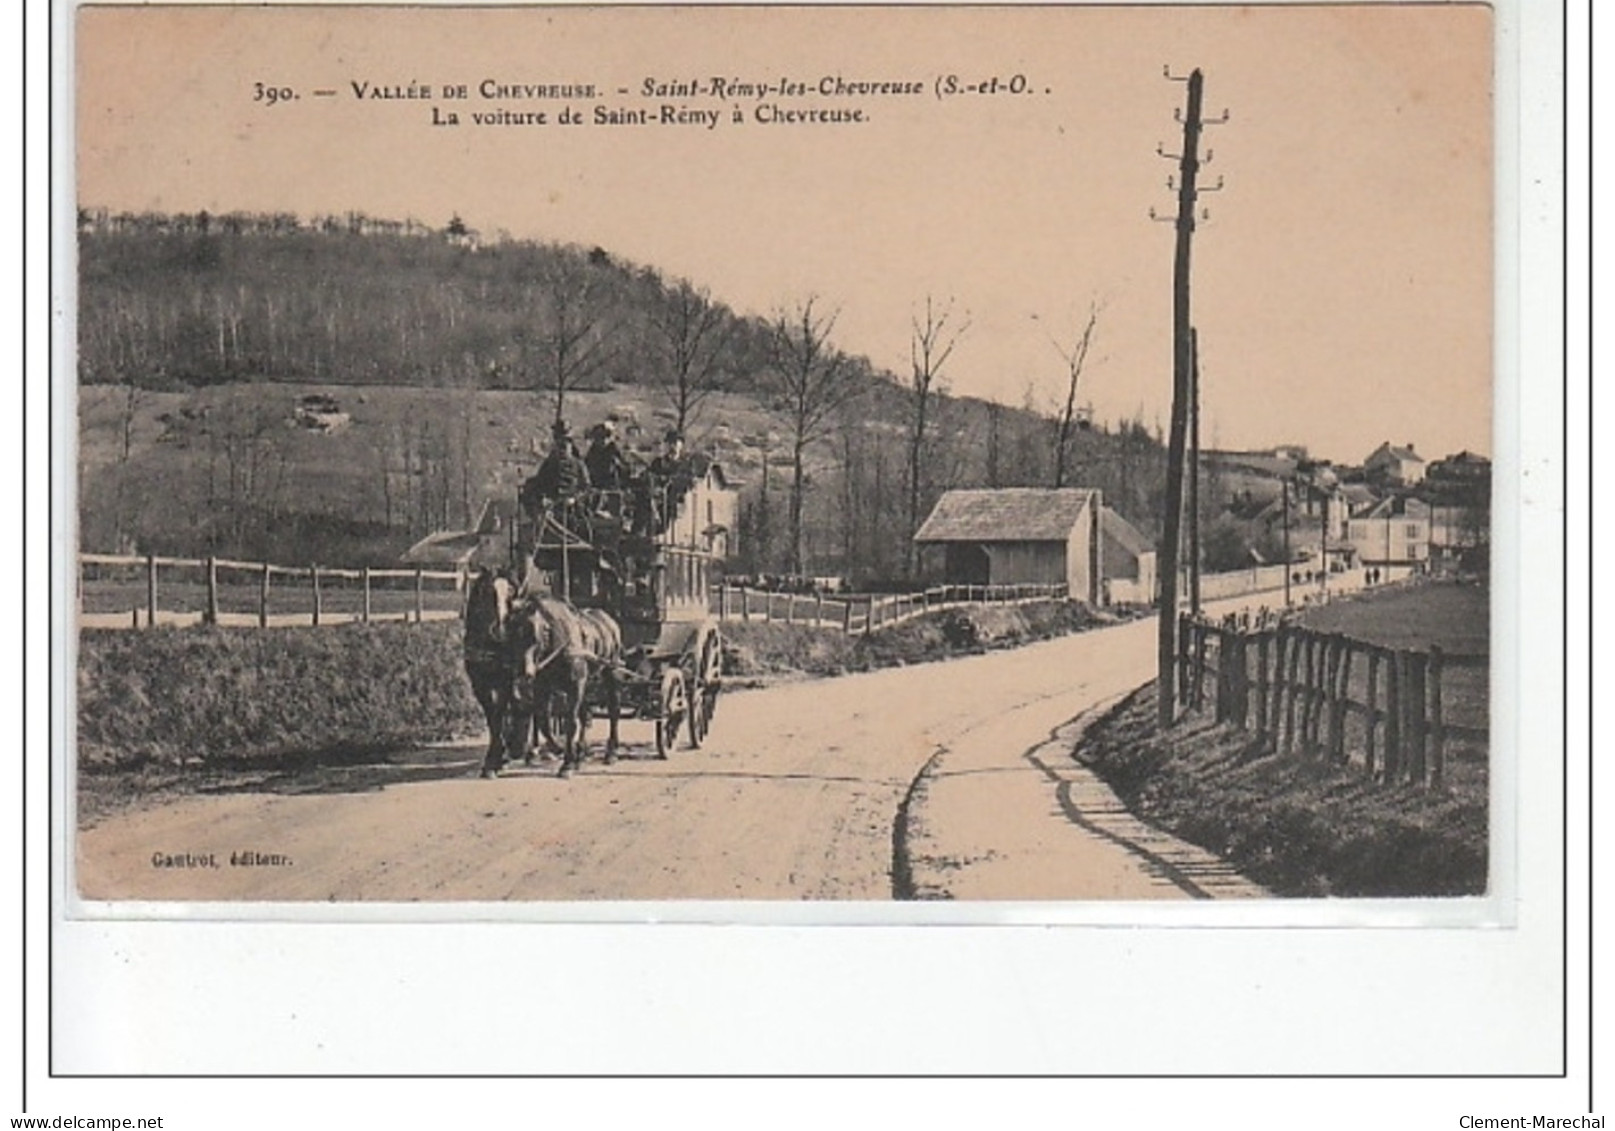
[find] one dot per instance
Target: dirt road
(939, 780)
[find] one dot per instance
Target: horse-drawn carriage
(657, 654)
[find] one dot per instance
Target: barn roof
(497, 514)
(1359, 496)
(1124, 533)
(446, 547)
(1005, 514)
(1406, 455)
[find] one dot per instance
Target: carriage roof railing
(553, 534)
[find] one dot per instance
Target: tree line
(858, 457)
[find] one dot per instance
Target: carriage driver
(560, 479)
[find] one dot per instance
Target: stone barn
(1019, 536)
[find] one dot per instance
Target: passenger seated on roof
(559, 484)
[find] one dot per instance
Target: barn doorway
(968, 564)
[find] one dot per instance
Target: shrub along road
(934, 780)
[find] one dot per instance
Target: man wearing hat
(670, 477)
(562, 477)
(607, 468)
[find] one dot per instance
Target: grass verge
(760, 650)
(232, 697)
(1298, 826)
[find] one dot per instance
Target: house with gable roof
(1035, 535)
(1389, 465)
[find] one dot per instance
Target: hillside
(199, 334)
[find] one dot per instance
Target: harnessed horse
(488, 604)
(560, 649)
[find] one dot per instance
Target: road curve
(944, 780)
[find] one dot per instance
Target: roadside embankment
(1297, 825)
(230, 696)
(762, 650)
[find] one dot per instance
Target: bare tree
(1075, 357)
(574, 344)
(812, 380)
(995, 425)
(691, 332)
(931, 343)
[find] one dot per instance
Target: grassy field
(196, 456)
(1454, 616)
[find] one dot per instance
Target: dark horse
(488, 605)
(560, 649)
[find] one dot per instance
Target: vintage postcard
(847, 457)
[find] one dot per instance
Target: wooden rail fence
(121, 591)
(1317, 694)
(862, 613)
(127, 591)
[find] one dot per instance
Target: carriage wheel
(674, 704)
(704, 696)
(711, 676)
(699, 723)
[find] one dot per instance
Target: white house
(1395, 466)
(1396, 532)
(707, 519)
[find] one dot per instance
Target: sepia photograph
(819, 456)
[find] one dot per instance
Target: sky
(1342, 286)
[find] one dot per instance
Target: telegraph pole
(1194, 472)
(1285, 484)
(1323, 553)
(1182, 395)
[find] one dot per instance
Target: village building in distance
(1395, 513)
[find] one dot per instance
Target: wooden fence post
(1314, 700)
(1242, 681)
(1186, 648)
(420, 594)
(1224, 640)
(846, 617)
(745, 604)
(790, 608)
(212, 590)
(1416, 701)
(1342, 701)
(1290, 689)
(263, 597)
(151, 591)
(1393, 717)
(364, 581)
(1302, 691)
(1202, 635)
(314, 577)
(1263, 650)
(869, 617)
(1373, 710)
(818, 609)
(1438, 731)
